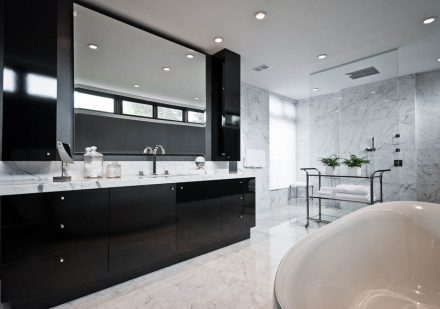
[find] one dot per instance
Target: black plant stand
(375, 175)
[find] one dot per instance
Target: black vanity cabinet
(238, 207)
(225, 115)
(52, 245)
(199, 220)
(59, 246)
(142, 227)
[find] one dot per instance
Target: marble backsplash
(344, 123)
(254, 135)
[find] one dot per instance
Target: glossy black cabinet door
(51, 280)
(225, 116)
(198, 215)
(142, 226)
(53, 245)
(35, 225)
(30, 72)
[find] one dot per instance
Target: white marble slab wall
(344, 123)
(428, 136)
(255, 135)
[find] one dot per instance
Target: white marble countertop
(26, 186)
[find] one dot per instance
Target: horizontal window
(137, 109)
(169, 113)
(94, 102)
(196, 117)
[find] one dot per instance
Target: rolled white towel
(353, 197)
(352, 189)
(326, 191)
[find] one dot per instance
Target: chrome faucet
(162, 150)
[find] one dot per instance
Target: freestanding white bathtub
(385, 256)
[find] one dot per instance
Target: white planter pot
(329, 170)
(353, 171)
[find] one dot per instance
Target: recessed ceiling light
(438, 59)
(218, 39)
(340, 98)
(430, 20)
(196, 98)
(387, 100)
(373, 92)
(260, 15)
(322, 56)
(166, 69)
(189, 56)
(93, 46)
(136, 86)
(315, 89)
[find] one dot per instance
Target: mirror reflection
(134, 89)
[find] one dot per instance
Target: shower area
(383, 110)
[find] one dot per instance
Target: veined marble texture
(255, 135)
(428, 136)
(406, 105)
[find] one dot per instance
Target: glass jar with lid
(93, 163)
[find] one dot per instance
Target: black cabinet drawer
(35, 240)
(49, 277)
(51, 207)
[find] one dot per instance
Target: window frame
(118, 106)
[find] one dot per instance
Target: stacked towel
(326, 192)
(356, 193)
(353, 197)
(352, 189)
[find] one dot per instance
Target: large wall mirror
(134, 89)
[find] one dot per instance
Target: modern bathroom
(232, 154)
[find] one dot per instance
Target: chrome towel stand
(375, 175)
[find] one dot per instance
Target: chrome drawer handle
(61, 260)
(241, 197)
(62, 198)
(181, 188)
(172, 188)
(61, 226)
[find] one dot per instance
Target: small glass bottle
(113, 170)
(93, 163)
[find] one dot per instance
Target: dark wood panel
(142, 226)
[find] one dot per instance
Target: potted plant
(354, 164)
(330, 164)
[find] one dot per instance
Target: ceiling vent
(363, 73)
(261, 68)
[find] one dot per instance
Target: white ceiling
(292, 35)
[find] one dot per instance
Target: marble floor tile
(237, 276)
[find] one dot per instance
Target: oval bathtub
(385, 256)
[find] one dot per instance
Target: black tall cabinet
(225, 113)
(37, 41)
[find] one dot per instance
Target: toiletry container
(93, 163)
(113, 170)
